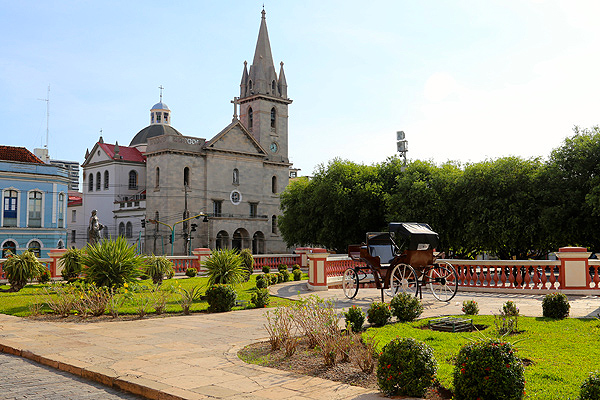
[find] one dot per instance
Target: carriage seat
(385, 252)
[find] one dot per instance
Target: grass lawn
(18, 303)
(562, 352)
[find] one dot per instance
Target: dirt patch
(307, 361)
(102, 318)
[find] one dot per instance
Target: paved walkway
(195, 357)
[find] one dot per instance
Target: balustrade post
(303, 251)
(202, 254)
(574, 268)
(317, 269)
(56, 266)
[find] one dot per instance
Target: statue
(94, 228)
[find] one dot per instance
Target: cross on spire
(235, 101)
(161, 89)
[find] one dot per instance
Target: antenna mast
(47, 100)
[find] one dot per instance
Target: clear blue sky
(466, 80)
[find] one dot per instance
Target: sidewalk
(195, 357)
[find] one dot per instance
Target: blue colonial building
(34, 203)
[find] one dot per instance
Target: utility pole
(186, 215)
(402, 144)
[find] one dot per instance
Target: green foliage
(406, 367)
(279, 277)
(158, 267)
(406, 307)
(220, 297)
(260, 298)
(510, 309)
(191, 272)
(247, 263)
(470, 307)
(21, 268)
(508, 320)
(355, 317)
(590, 388)
(378, 314)
(297, 273)
(282, 267)
(274, 278)
(555, 305)
(488, 369)
(111, 263)
(44, 277)
(225, 267)
(189, 295)
(72, 265)
(295, 267)
(266, 269)
(285, 275)
(262, 281)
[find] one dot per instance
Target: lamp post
(172, 227)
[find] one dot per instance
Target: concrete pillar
(202, 255)
(303, 251)
(317, 269)
(57, 265)
(574, 268)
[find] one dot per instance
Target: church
(170, 192)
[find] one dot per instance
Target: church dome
(160, 106)
(152, 131)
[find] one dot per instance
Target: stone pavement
(195, 357)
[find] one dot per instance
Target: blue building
(34, 203)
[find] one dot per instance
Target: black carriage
(401, 260)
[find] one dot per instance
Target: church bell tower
(263, 99)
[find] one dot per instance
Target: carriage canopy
(416, 236)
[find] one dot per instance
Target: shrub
(508, 320)
(260, 298)
(279, 277)
(247, 263)
(266, 269)
(510, 309)
(71, 264)
(555, 305)
(191, 272)
(188, 296)
(363, 354)
(297, 273)
(355, 317)
(406, 307)
(378, 314)
(44, 277)
(158, 267)
(111, 263)
(488, 369)
(406, 367)
(590, 388)
(225, 267)
(274, 278)
(470, 307)
(20, 268)
(282, 267)
(220, 297)
(262, 281)
(295, 267)
(286, 275)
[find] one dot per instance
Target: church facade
(169, 191)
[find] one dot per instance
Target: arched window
(258, 243)
(35, 210)
(8, 246)
(129, 230)
(91, 183)
(274, 224)
(250, 85)
(222, 241)
(274, 184)
(273, 118)
(157, 183)
(60, 245)
(35, 247)
(10, 208)
(105, 180)
(250, 118)
(236, 176)
(132, 180)
(98, 180)
(186, 176)
(61, 210)
(273, 86)
(121, 229)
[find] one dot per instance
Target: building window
(91, 183)
(273, 118)
(157, 180)
(129, 230)
(151, 118)
(35, 248)
(10, 208)
(60, 245)
(105, 180)
(253, 210)
(222, 241)
(73, 215)
(132, 180)
(273, 86)
(274, 224)
(121, 229)
(250, 118)
(158, 117)
(186, 176)
(236, 176)
(61, 210)
(35, 210)
(250, 85)
(274, 184)
(166, 116)
(217, 207)
(8, 247)
(98, 182)
(73, 236)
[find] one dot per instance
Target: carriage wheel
(350, 283)
(403, 280)
(442, 281)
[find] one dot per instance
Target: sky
(465, 80)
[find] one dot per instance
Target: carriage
(402, 260)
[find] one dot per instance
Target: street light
(172, 227)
